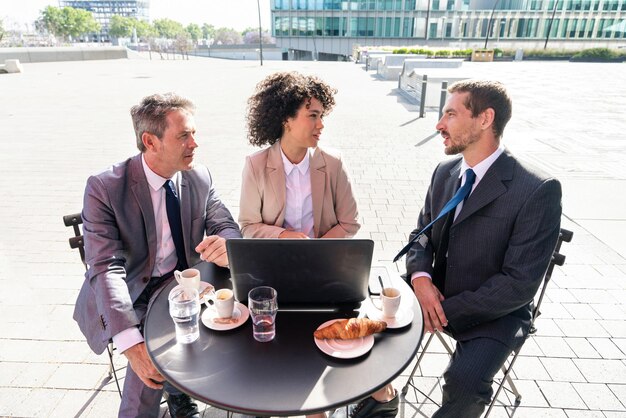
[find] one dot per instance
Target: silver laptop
(306, 273)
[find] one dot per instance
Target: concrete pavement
(60, 122)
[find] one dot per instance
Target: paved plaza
(60, 122)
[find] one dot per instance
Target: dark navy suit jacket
(499, 248)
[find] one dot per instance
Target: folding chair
(75, 220)
(557, 259)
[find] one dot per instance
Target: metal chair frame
(557, 259)
(76, 242)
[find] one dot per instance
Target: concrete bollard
(13, 66)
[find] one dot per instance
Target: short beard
(455, 149)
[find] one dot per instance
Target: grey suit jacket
(120, 242)
(498, 251)
(262, 204)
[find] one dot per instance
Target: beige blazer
(262, 203)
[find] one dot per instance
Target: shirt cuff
(419, 274)
(127, 338)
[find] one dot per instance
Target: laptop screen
(305, 272)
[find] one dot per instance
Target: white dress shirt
(298, 199)
(166, 258)
(480, 170)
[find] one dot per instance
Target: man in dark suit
(475, 273)
(143, 218)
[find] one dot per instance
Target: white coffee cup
(222, 302)
(188, 278)
(390, 297)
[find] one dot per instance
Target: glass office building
(102, 11)
(328, 29)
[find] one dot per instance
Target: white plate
(240, 316)
(403, 317)
(344, 348)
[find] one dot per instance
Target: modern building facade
(103, 10)
(329, 29)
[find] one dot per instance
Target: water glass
(263, 305)
(185, 311)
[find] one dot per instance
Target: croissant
(346, 329)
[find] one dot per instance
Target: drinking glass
(185, 310)
(262, 303)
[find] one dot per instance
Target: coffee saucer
(403, 317)
(240, 316)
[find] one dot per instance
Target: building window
(581, 28)
(407, 30)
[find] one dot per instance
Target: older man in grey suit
(475, 273)
(144, 218)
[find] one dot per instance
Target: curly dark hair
(277, 98)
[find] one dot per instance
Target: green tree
(2, 31)
(68, 22)
(120, 26)
(194, 31)
(226, 36)
(208, 31)
(168, 28)
(145, 30)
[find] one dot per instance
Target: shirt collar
(481, 168)
(154, 180)
(302, 166)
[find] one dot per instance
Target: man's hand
(293, 234)
(430, 299)
(141, 364)
(212, 249)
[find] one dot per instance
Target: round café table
(285, 377)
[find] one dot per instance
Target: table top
(287, 376)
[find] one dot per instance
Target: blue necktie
(173, 216)
(458, 197)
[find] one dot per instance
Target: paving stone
(582, 347)
(555, 310)
(619, 391)
(530, 368)
(616, 329)
(580, 311)
(581, 328)
(561, 395)
(576, 413)
(76, 376)
(11, 399)
(562, 369)
(621, 343)
(598, 396)
(523, 412)
(554, 346)
(602, 371)
(606, 348)
(609, 311)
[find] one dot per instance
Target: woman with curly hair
(293, 188)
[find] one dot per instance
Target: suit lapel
(317, 168)
(275, 172)
(490, 187)
(141, 193)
